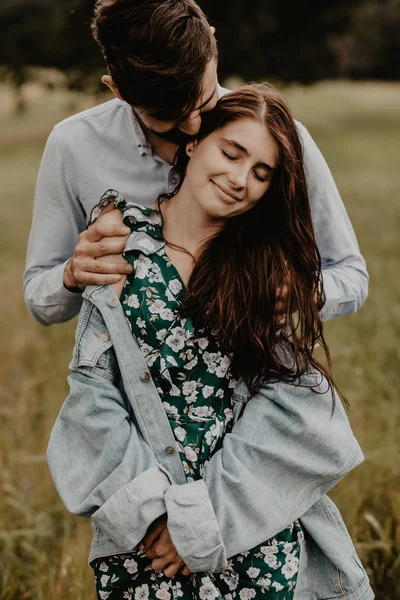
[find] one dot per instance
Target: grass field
(43, 550)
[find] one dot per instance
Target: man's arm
(345, 278)
(58, 235)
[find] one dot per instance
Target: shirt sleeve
(344, 274)
(58, 219)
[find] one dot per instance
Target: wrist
(69, 280)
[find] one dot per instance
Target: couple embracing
(201, 433)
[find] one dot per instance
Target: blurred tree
(370, 48)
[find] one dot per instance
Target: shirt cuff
(127, 514)
(193, 527)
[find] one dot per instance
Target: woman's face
(231, 169)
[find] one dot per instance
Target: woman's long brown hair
(234, 287)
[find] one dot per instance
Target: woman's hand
(158, 546)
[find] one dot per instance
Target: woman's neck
(185, 224)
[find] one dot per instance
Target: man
(162, 67)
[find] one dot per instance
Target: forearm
(46, 297)
(345, 288)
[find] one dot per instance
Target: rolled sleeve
(193, 527)
(127, 514)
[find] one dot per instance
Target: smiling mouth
(226, 192)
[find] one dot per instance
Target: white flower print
(177, 590)
(270, 555)
(156, 307)
(141, 269)
(228, 414)
(253, 572)
(154, 218)
(168, 294)
(167, 315)
(277, 586)
(140, 323)
(132, 301)
(214, 433)
(291, 566)
(219, 394)
(163, 593)
(265, 582)
(145, 243)
(190, 454)
(207, 391)
(247, 593)
(191, 364)
(175, 286)
(155, 277)
(208, 591)
(161, 334)
(223, 366)
(104, 595)
(131, 566)
(170, 410)
(145, 348)
(142, 592)
(172, 361)
(231, 578)
(203, 343)
(174, 391)
(202, 411)
(180, 433)
(103, 567)
(189, 387)
(287, 548)
(176, 339)
(104, 580)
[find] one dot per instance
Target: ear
(213, 30)
(190, 146)
(108, 81)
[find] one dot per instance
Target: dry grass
(43, 549)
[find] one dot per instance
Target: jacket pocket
(93, 351)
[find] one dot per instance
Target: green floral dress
(194, 381)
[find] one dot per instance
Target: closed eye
(228, 156)
(262, 179)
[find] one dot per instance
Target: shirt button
(113, 302)
(145, 376)
(104, 337)
(169, 450)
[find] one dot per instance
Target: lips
(226, 192)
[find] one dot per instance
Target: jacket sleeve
(345, 278)
(58, 218)
(100, 463)
(285, 452)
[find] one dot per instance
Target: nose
(238, 177)
(191, 126)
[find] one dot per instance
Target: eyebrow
(246, 152)
(207, 101)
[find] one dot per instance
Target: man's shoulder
(98, 115)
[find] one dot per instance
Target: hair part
(156, 51)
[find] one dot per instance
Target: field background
(43, 550)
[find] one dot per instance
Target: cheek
(256, 191)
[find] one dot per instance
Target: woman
(204, 307)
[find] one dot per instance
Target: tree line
(292, 41)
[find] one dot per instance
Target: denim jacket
(113, 458)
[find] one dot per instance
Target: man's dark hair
(156, 51)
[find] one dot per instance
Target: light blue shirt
(105, 147)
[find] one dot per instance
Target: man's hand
(158, 546)
(97, 258)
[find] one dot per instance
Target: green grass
(43, 550)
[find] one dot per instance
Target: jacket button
(145, 376)
(169, 450)
(113, 302)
